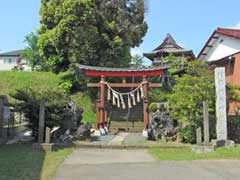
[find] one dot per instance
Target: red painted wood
(124, 85)
(124, 73)
(145, 103)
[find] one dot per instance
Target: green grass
(157, 144)
(52, 161)
(20, 162)
(176, 154)
(12, 80)
(84, 101)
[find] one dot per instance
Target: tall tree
(31, 52)
(93, 32)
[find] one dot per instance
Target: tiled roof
(229, 32)
(108, 69)
(167, 43)
(12, 53)
(168, 46)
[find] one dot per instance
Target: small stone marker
(47, 135)
(199, 147)
(41, 122)
(221, 103)
(203, 147)
(199, 136)
(206, 123)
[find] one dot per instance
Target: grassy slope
(20, 162)
(175, 154)
(12, 80)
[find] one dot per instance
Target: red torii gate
(102, 72)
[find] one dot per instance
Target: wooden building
(168, 47)
(223, 50)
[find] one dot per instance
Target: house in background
(223, 50)
(168, 47)
(13, 60)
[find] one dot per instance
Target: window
(5, 61)
(9, 61)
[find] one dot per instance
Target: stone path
(116, 139)
(120, 137)
(115, 164)
(107, 156)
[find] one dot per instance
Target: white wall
(223, 47)
(8, 63)
(5, 65)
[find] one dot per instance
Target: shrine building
(110, 93)
(168, 47)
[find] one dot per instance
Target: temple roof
(107, 71)
(168, 43)
(169, 46)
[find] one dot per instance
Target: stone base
(221, 143)
(145, 133)
(42, 147)
(100, 132)
(103, 131)
(203, 148)
(106, 129)
(96, 133)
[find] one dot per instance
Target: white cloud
(136, 52)
(236, 26)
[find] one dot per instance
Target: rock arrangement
(72, 128)
(161, 125)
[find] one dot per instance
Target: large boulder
(66, 138)
(69, 125)
(161, 125)
(84, 131)
(72, 117)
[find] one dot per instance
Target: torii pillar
(145, 102)
(101, 110)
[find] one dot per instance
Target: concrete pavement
(115, 164)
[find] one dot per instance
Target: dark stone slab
(221, 143)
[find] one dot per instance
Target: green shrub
(189, 92)
(153, 106)
(233, 121)
(233, 125)
(56, 110)
(188, 134)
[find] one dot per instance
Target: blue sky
(190, 22)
